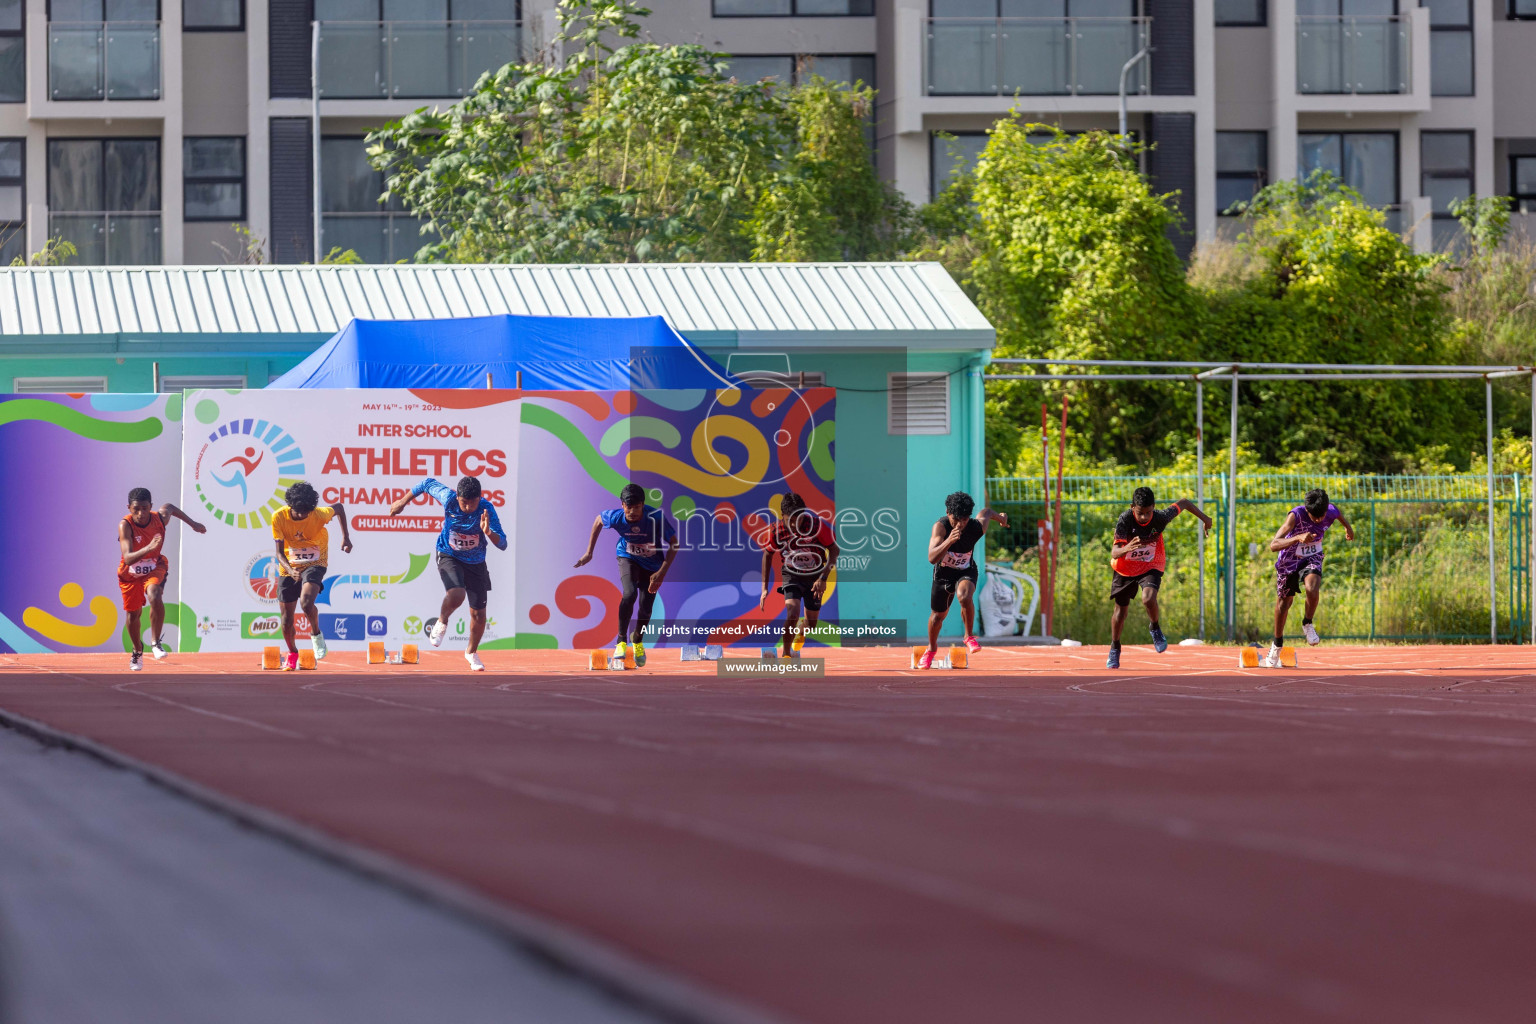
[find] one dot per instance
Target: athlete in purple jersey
(1299, 564)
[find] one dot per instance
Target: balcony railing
(383, 237)
(412, 59)
(110, 239)
(1353, 55)
(1034, 56)
(104, 60)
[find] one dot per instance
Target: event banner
(360, 450)
(716, 462)
(74, 458)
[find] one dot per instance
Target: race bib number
(303, 556)
(1145, 553)
(639, 549)
(463, 541)
(1309, 549)
(143, 567)
(956, 560)
(802, 561)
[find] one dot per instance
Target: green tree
(626, 150)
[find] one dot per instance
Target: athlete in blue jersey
(642, 565)
(468, 520)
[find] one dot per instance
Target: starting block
(956, 657)
(376, 654)
(701, 652)
(1250, 657)
(769, 653)
(604, 661)
(271, 659)
(410, 654)
(307, 659)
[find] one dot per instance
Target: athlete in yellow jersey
(302, 543)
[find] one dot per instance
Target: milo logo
(266, 626)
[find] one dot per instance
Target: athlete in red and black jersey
(1138, 560)
(952, 552)
(804, 543)
(143, 568)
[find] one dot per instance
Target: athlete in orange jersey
(142, 571)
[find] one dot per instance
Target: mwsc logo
(243, 469)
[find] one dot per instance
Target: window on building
(1522, 183)
(951, 154)
(104, 196)
(13, 51)
(352, 216)
(756, 67)
(792, 8)
(1365, 161)
(213, 15)
(917, 403)
(1242, 167)
(1450, 47)
(1241, 12)
(1445, 175)
(214, 173)
(58, 385)
(845, 69)
(1520, 9)
(13, 200)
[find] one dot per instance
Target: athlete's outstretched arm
(1189, 506)
(1125, 546)
(597, 529)
(666, 563)
(490, 525)
(762, 602)
(441, 491)
(988, 517)
(346, 535)
(168, 510)
(282, 559)
(820, 586)
(1282, 538)
(1349, 531)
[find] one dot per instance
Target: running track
(1032, 840)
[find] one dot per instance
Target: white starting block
(701, 652)
(1252, 657)
(955, 657)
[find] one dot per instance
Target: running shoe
(291, 662)
(159, 650)
(475, 664)
(972, 644)
(1310, 633)
(439, 630)
(1159, 642)
(1113, 661)
(926, 661)
(136, 661)
(618, 650)
(799, 643)
(639, 655)
(318, 643)
(1272, 658)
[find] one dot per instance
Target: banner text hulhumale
(72, 459)
(551, 461)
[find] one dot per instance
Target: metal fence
(1418, 569)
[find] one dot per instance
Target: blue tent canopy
(553, 354)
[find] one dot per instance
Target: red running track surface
(1035, 839)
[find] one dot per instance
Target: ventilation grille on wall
(58, 385)
(917, 403)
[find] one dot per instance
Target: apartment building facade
(143, 130)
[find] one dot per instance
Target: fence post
(1373, 570)
(1493, 579)
(1200, 487)
(1232, 518)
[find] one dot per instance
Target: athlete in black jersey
(952, 552)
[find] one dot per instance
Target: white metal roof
(821, 304)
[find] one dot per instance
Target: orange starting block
(376, 652)
(1251, 657)
(271, 659)
(956, 657)
(604, 661)
(307, 658)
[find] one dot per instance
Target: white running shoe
(136, 661)
(159, 650)
(439, 630)
(475, 664)
(318, 643)
(1272, 659)
(1311, 634)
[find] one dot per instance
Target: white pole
(1200, 486)
(1530, 563)
(1232, 518)
(1493, 579)
(1125, 70)
(314, 145)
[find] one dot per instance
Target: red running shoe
(291, 664)
(926, 661)
(972, 644)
